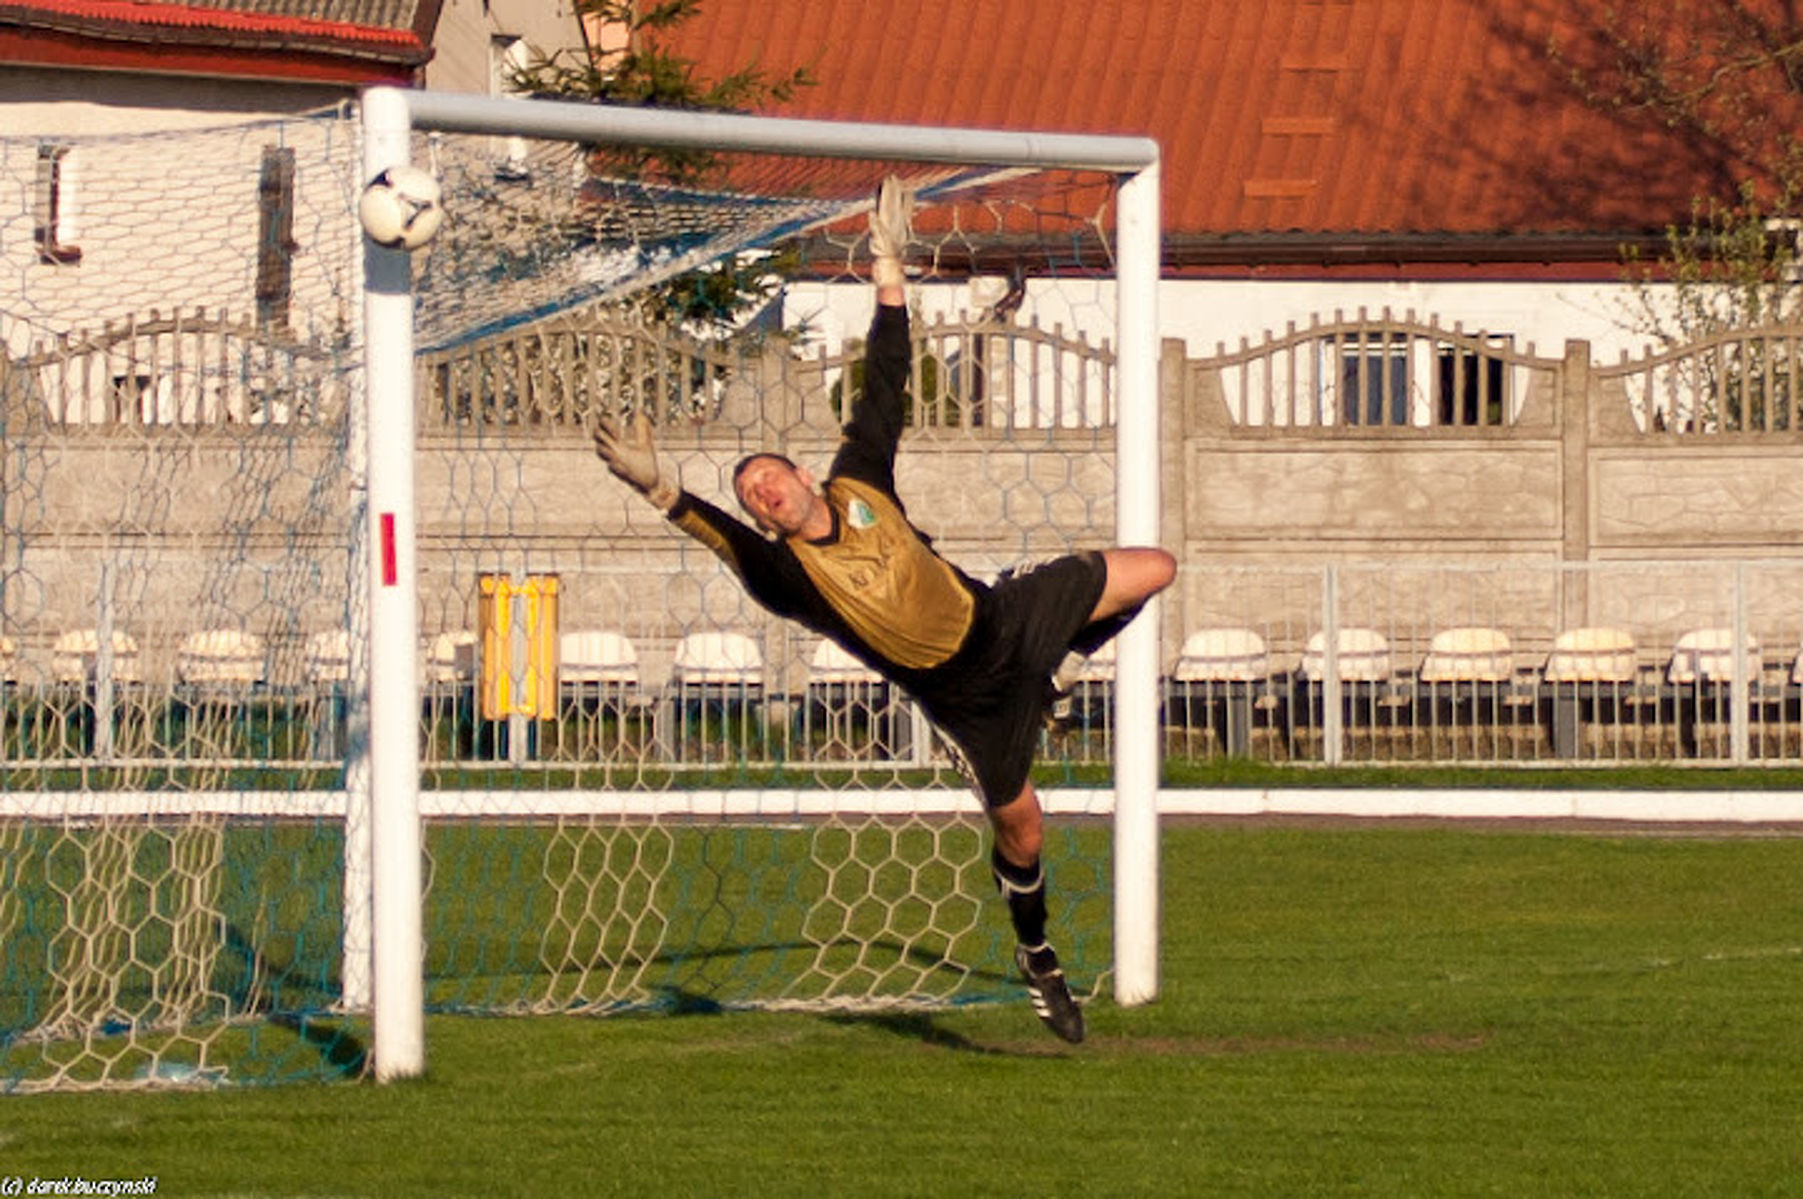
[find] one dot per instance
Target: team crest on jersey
(860, 516)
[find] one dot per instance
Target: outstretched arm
(631, 455)
(890, 228)
(874, 428)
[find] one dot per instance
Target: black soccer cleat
(1052, 1000)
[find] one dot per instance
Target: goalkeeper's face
(780, 496)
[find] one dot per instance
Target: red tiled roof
(190, 38)
(1276, 117)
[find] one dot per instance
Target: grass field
(1376, 1010)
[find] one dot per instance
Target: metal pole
(1137, 497)
(398, 1020)
(463, 113)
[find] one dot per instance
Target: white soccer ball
(401, 208)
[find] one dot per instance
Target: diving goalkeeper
(985, 661)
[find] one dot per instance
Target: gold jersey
(884, 580)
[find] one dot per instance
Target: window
(51, 211)
(1471, 388)
(1387, 377)
(275, 238)
(1373, 379)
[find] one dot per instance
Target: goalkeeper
(986, 661)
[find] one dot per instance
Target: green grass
(1369, 1010)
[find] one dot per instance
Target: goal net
(634, 788)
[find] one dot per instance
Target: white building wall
(471, 33)
(1204, 314)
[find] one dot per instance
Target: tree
(1720, 81)
(633, 65)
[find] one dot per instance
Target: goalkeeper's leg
(1020, 874)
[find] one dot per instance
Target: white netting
(641, 790)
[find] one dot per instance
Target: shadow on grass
(338, 1050)
(263, 979)
(918, 1026)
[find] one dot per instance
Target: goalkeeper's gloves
(632, 456)
(889, 232)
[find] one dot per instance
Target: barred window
(52, 226)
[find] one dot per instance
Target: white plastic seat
(1222, 655)
(1469, 654)
(229, 656)
(597, 656)
(451, 657)
(328, 657)
(1362, 655)
(74, 657)
(1592, 654)
(1707, 655)
(718, 658)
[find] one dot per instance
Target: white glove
(632, 457)
(890, 231)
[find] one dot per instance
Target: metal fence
(1415, 664)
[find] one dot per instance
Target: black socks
(1024, 889)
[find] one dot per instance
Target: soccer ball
(401, 208)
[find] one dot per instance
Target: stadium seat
(1470, 654)
(850, 711)
(1594, 654)
(1591, 672)
(1370, 694)
(451, 658)
(1223, 674)
(1707, 656)
(602, 701)
(327, 658)
(216, 671)
(78, 667)
(832, 664)
(597, 657)
(1361, 656)
(1222, 655)
(75, 657)
(714, 675)
(449, 697)
(1700, 674)
(1468, 684)
(718, 658)
(220, 658)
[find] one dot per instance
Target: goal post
(340, 684)
(391, 119)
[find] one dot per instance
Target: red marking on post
(389, 572)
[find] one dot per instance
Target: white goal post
(390, 118)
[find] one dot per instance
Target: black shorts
(989, 701)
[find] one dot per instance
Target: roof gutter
(1391, 250)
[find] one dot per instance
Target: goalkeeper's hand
(632, 456)
(889, 232)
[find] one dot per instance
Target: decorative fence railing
(968, 374)
(1743, 381)
(1447, 650)
(1383, 371)
(195, 369)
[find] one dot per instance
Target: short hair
(748, 459)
